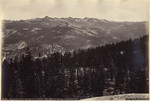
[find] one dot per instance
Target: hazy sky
(117, 10)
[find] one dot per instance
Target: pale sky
(116, 10)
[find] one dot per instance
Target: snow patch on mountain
(92, 31)
(87, 40)
(13, 47)
(86, 46)
(40, 37)
(25, 28)
(108, 32)
(35, 29)
(69, 37)
(14, 31)
(58, 48)
(9, 32)
(116, 38)
(63, 19)
(63, 25)
(86, 32)
(46, 46)
(22, 44)
(78, 20)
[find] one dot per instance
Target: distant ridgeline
(49, 35)
(123, 66)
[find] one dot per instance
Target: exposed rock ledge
(121, 97)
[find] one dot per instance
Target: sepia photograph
(74, 49)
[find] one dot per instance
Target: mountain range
(48, 35)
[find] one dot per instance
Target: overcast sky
(116, 10)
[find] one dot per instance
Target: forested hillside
(81, 74)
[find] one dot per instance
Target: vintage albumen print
(74, 49)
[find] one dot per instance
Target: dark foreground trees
(80, 74)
